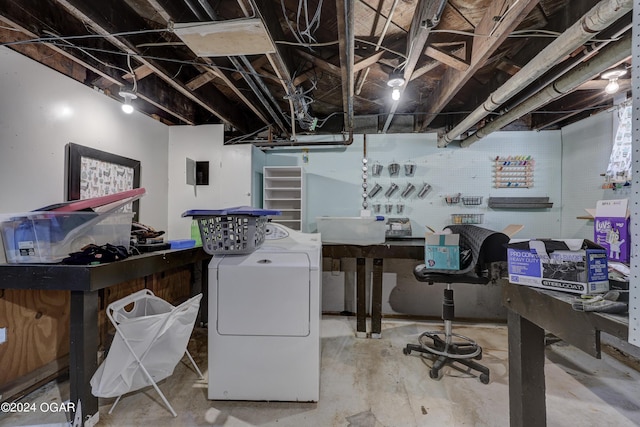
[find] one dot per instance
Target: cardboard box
(442, 251)
(611, 229)
(570, 265)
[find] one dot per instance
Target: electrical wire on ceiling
(304, 31)
(54, 37)
(133, 74)
(331, 43)
(83, 50)
(301, 102)
(419, 113)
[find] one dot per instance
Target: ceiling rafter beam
(367, 62)
(598, 18)
(446, 58)
(139, 72)
(430, 65)
(75, 8)
(213, 72)
(490, 35)
(346, 25)
(266, 12)
(59, 61)
(416, 43)
(320, 63)
(200, 80)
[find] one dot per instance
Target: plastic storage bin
(352, 230)
(50, 236)
(232, 231)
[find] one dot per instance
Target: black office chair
(485, 252)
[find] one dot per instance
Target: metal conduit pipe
(248, 78)
(261, 84)
(595, 20)
(194, 9)
(608, 57)
(584, 56)
(251, 77)
(296, 143)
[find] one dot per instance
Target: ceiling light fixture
(128, 96)
(395, 82)
(613, 76)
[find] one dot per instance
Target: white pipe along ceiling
(284, 72)
(597, 19)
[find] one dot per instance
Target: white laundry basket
(150, 340)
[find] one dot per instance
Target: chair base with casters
(449, 347)
(488, 250)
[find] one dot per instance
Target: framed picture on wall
(94, 173)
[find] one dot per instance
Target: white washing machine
(264, 320)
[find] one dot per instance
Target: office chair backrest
(486, 245)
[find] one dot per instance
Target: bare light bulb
(612, 87)
(395, 94)
(127, 108)
(128, 96)
(613, 75)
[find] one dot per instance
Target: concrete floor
(371, 383)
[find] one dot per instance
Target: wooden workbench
(531, 312)
(409, 248)
(84, 282)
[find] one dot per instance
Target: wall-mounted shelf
(519, 203)
(284, 191)
(513, 172)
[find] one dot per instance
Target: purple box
(611, 229)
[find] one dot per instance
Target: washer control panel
(273, 232)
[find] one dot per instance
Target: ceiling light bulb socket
(127, 95)
(613, 74)
(395, 80)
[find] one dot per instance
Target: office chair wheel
(484, 378)
(435, 373)
(479, 356)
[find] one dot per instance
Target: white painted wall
(334, 188)
(334, 178)
(41, 111)
(585, 156)
(230, 174)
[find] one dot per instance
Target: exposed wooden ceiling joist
(346, 18)
(96, 19)
(418, 35)
(489, 35)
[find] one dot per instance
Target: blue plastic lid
(237, 210)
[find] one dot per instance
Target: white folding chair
(151, 338)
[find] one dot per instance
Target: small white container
(351, 230)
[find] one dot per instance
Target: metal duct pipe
(253, 73)
(586, 54)
(194, 9)
(275, 144)
(597, 19)
(608, 57)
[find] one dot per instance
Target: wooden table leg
(527, 406)
(376, 299)
(83, 333)
(361, 298)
